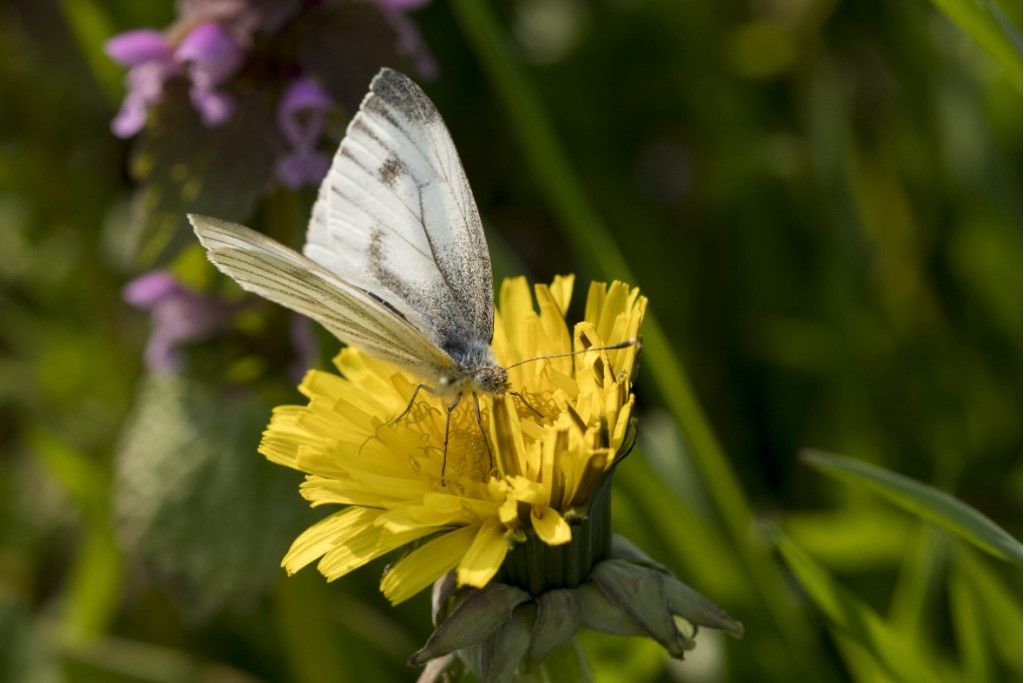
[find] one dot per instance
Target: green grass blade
(893, 650)
(566, 663)
(925, 501)
(853, 537)
(998, 604)
(920, 578)
(93, 589)
(690, 545)
(91, 27)
(969, 629)
(314, 652)
(592, 240)
(986, 24)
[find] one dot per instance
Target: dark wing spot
(443, 327)
(390, 170)
(401, 93)
(386, 277)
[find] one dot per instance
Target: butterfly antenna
(611, 347)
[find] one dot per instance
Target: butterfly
(395, 261)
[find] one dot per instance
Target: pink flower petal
(214, 106)
(135, 47)
(301, 112)
(302, 167)
(211, 54)
(147, 289)
(402, 5)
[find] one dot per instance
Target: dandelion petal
(421, 567)
(551, 527)
(484, 557)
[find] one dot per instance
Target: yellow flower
(533, 476)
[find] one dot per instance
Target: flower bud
(501, 630)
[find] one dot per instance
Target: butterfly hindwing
(266, 267)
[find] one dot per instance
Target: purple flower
(179, 315)
(300, 115)
(135, 47)
(150, 62)
(211, 56)
(402, 5)
(208, 55)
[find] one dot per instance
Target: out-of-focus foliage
(822, 201)
(927, 502)
(188, 447)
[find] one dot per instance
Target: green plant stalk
(986, 24)
(972, 641)
(93, 587)
(90, 24)
(304, 624)
(566, 663)
(590, 238)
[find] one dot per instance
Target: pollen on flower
(531, 462)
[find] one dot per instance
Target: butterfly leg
(412, 401)
(526, 403)
(483, 433)
(447, 431)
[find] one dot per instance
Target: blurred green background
(822, 201)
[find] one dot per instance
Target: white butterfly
(395, 261)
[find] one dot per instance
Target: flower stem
(590, 238)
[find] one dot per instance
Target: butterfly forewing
(395, 216)
(356, 316)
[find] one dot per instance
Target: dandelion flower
(526, 479)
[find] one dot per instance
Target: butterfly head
(491, 379)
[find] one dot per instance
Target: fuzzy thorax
(478, 370)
